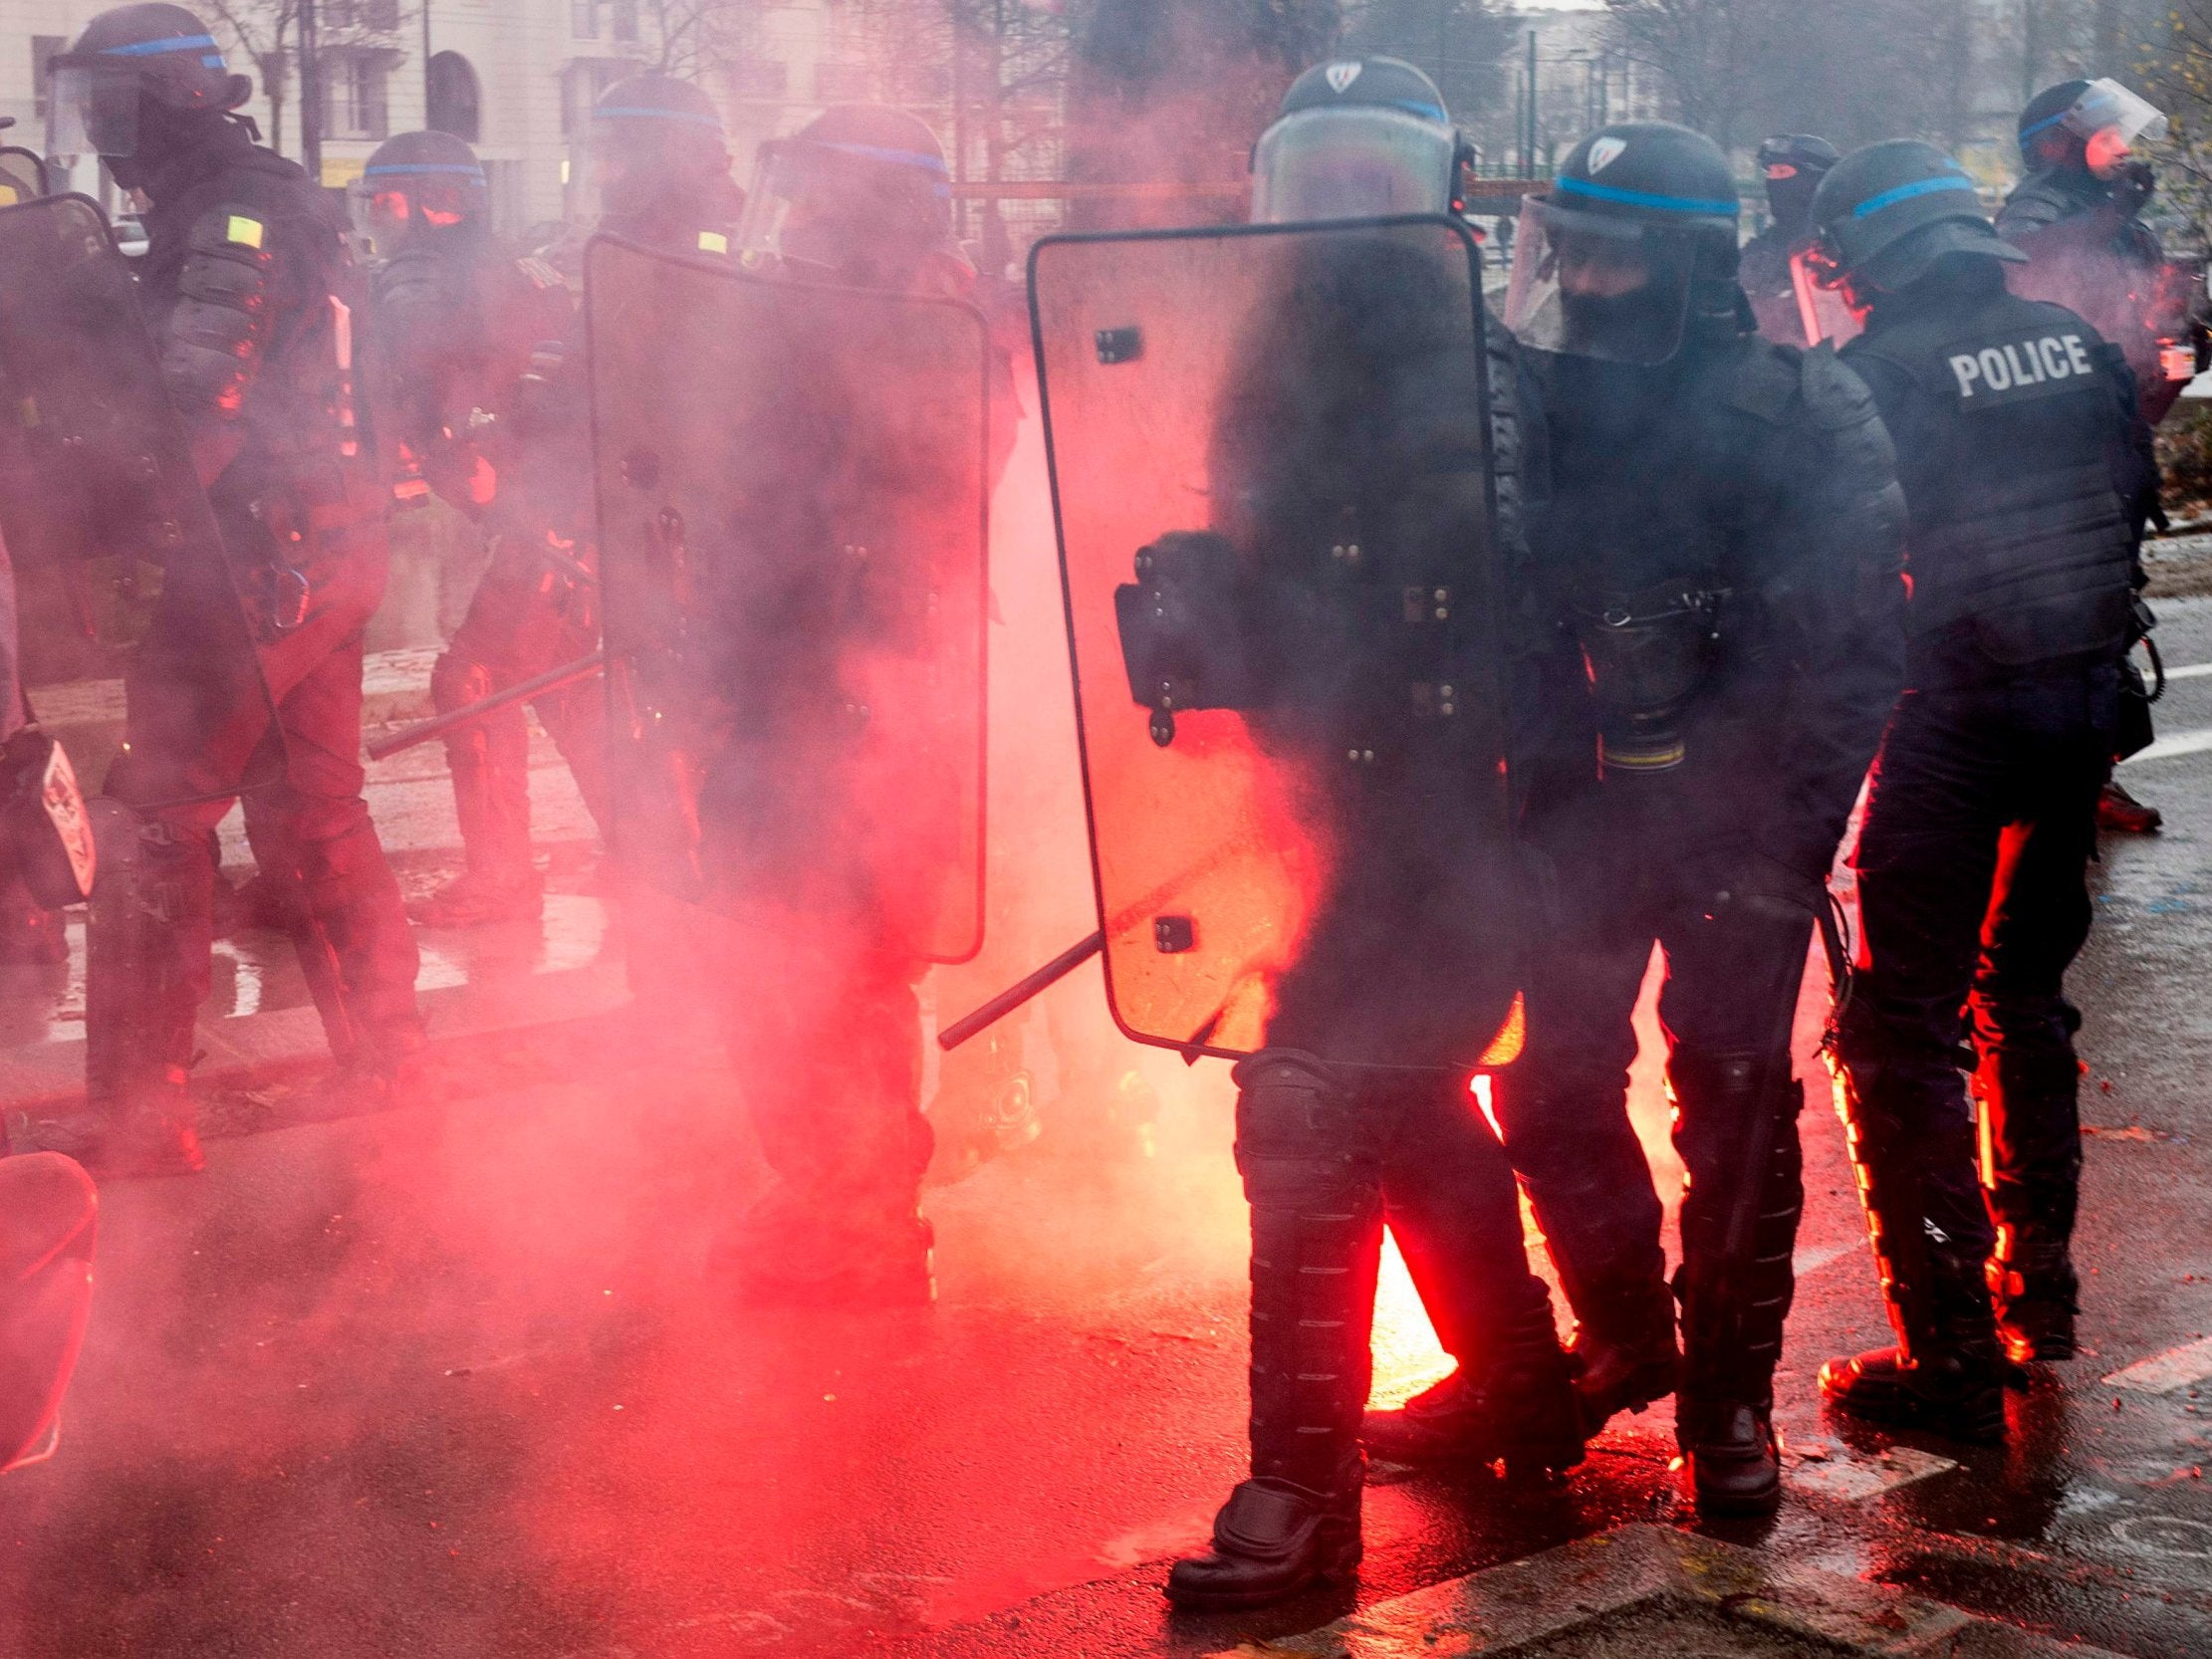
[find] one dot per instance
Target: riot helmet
(136, 79)
(2088, 126)
(416, 185)
(1632, 249)
(861, 194)
(1359, 138)
(1792, 164)
(1890, 213)
(653, 137)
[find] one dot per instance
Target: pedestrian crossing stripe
(2162, 1374)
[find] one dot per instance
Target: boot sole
(1340, 1570)
(1983, 1427)
(1737, 1505)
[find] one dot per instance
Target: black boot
(1623, 1351)
(1738, 1133)
(1314, 1187)
(2036, 1294)
(1923, 1216)
(1271, 1540)
(1512, 1402)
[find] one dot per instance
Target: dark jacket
(1759, 477)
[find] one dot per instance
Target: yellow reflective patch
(714, 242)
(245, 232)
(9, 196)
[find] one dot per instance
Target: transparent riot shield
(101, 503)
(1271, 473)
(792, 486)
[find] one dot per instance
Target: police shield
(792, 486)
(99, 501)
(1271, 466)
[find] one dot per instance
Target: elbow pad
(219, 328)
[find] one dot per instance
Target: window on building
(582, 83)
(455, 98)
(583, 19)
(622, 15)
(355, 104)
(42, 48)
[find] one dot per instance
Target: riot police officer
(660, 162)
(1326, 1147)
(2077, 214)
(454, 321)
(858, 198)
(247, 283)
(2028, 474)
(1792, 164)
(1715, 568)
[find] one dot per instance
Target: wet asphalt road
(463, 1381)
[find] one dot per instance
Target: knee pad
(334, 839)
(1295, 1128)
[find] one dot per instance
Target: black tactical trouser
(1979, 828)
(1328, 1155)
(527, 618)
(199, 730)
(1727, 1008)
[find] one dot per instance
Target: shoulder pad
(1834, 397)
(540, 273)
(1765, 381)
(235, 231)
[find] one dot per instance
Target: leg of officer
(1728, 1007)
(1450, 1196)
(2029, 1078)
(1306, 1146)
(1563, 1109)
(1928, 856)
(489, 758)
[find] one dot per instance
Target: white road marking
(1813, 1261)
(2162, 1374)
(2193, 671)
(2166, 748)
(1824, 1466)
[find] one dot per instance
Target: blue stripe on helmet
(1919, 188)
(213, 60)
(2045, 124)
(147, 47)
(1412, 107)
(1646, 198)
(919, 159)
(469, 169)
(631, 111)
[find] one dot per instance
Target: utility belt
(1647, 655)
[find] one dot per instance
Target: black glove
(2131, 186)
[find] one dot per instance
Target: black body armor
(2018, 440)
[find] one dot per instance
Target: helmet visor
(1355, 162)
(93, 109)
(1587, 286)
(842, 210)
(2106, 105)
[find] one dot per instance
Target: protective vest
(254, 298)
(2019, 543)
